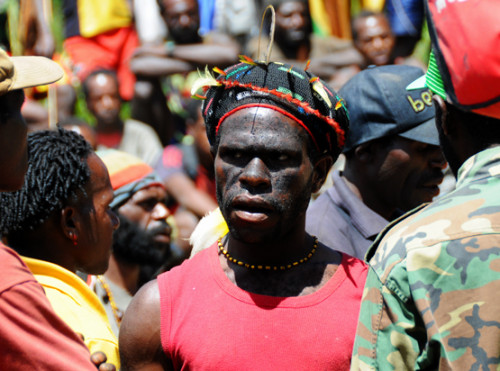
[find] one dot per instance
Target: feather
(219, 71)
(247, 60)
(204, 80)
(210, 228)
(318, 87)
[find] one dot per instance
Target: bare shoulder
(140, 340)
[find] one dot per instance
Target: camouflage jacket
(430, 296)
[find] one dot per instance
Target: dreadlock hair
(57, 167)
(314, 105)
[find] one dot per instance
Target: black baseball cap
(381, 102)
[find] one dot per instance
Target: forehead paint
(274, 108)
(101, 79)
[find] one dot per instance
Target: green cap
(432, 79)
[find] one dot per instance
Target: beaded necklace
(117, 313)
(224, 252)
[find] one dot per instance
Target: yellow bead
(259, 267)
(240, 263)
(268, 267)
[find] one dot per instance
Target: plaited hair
(318, 109)
(57, 168)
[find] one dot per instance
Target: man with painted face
(393, 160)
(262, 295)
(430, 301)
(143, 238)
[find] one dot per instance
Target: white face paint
(101, 79)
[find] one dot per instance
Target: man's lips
(434, 181)
(251, 208)
(432, 186)
(163, 234)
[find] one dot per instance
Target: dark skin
(147, 209)
(183, 188)
(292, 36)
(395, 174)
(104, 102)
(454, 137)
(13, 145)
(189, 52)
(375, 40)
(293, 28)
(374, 44)
(87, 219)
(14, 163)
(265, 177)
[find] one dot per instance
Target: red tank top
(208, 323)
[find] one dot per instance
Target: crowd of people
(250, 195)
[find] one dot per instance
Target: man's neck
(109, 128)
(301, 279)
(363, 190)
(123, 274)
(297, 52)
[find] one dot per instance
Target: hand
(45, 45)
(99, 360)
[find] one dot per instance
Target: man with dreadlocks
(60, 221)
(32, 336)
(263, 296)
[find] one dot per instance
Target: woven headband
(289, 98)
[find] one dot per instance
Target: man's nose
(184, 20)
(297, 20)
(378, 42)
(437, 158)
(256, 174)
(160, 211)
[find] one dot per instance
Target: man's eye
(283, 157)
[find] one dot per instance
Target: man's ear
(70, 222)
(320, 171)
(442, 113)
(364, 152)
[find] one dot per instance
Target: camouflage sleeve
(434, 308)
(386, 337)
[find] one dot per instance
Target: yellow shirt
(97, 16)
(77, 305)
